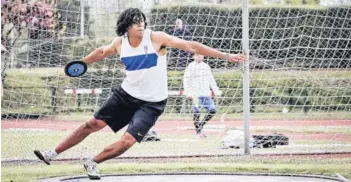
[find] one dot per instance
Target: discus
(75, 68)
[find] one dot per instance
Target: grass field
(172, 143)
(16, 144)
(325, 166)
(27, 141)
(317, 72)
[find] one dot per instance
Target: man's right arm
(102, 52)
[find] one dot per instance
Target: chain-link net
(300, 85)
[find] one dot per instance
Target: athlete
(142, 96)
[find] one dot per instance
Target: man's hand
(189, 97)
(236, 58)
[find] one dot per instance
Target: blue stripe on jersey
(139, 62)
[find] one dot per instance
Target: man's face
(198, 58)
(179, 24)
(137, 27)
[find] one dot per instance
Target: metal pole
(82, 18)
(246, 81)
(13, 48)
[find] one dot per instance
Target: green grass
(27, 91)
(321, 142)
(37, 71)
(270, 74)
(25, 142)
(327, 167)
(20, 144)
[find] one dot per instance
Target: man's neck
(134, 41)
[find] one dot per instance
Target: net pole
(246, 89)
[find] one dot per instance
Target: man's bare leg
(116, 149)
(79, 134)
(112, 151)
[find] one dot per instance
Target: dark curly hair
(127, 18)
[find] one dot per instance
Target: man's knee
(209, 115)
(196, 116)
(127, 141)
(94, 125)
(195, 110)
(212, 111)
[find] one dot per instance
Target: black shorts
(122, 109)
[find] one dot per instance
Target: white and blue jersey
(146, 70)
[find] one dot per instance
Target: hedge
(304, 37)
(270, 91)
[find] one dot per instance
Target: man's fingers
(242, 56)
(237, 58)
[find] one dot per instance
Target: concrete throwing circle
(203, 177)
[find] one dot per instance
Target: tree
(41, 23)
(38, 18)
(68, 20)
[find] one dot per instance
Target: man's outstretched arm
(102, 52)
(195, 47)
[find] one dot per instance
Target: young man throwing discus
(142, 96)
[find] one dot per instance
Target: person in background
(199, 84)
(182, 57)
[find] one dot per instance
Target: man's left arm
(195, 47)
